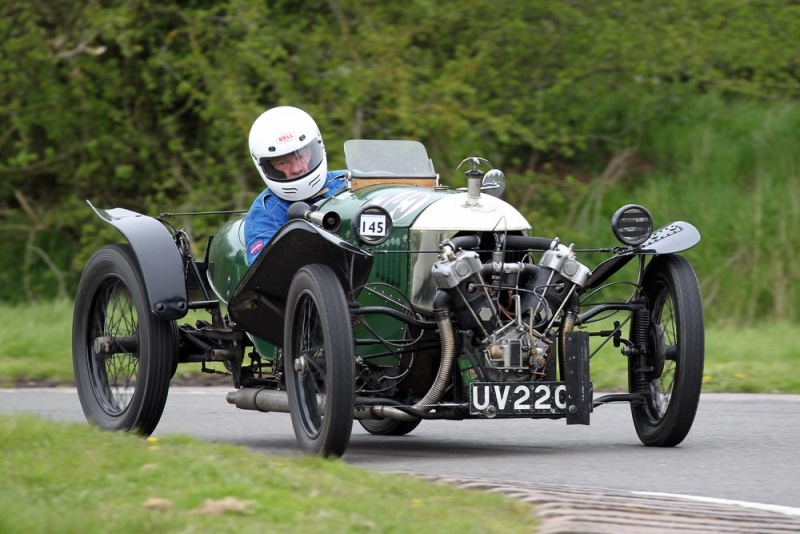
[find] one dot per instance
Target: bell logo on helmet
(285, 138)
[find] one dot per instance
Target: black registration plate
(514, 398)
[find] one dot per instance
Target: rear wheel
(389, 427)
(319, 361)
(673, 375)
(123, 356)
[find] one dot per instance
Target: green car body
(422, 217)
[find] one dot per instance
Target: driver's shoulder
(268, 201)
(336, 179)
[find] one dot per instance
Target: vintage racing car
(394, 301)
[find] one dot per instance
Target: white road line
(788, 510)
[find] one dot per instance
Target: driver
(287, 149)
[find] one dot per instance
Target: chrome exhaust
(262, 400)
(270, 400)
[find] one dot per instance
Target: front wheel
(319, 361)
(123, 355)
(672, 377)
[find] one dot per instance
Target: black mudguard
(160, 263)
(258, 303)
(669, 239)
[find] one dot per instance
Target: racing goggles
(293, 165)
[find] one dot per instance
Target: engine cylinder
(473, 307)
(459, 275)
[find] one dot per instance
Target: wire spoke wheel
(672, 380)
(319, 361)
(123, 356)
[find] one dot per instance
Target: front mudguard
(258, 303)
(670, 239)
(160, 262)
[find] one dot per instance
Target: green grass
(744, 157)
(35, 340)
(75, 478)
(35, 344)
(732, 169)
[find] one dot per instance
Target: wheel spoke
(98, 361)
(316, 367)
(311, 375)
(310, 328)
(124, 365)
(114, 373)
(659, 401)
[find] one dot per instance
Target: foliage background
(687, 106)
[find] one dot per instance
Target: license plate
(515, 398)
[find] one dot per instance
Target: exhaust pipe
(270, 400)
(382, 412)
(263, 400)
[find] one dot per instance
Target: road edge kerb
(565, 509)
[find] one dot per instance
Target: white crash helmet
(287, 150)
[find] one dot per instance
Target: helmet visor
(294, 165)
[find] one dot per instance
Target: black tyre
(676, 349)
(122, 355)
(389, 427)
(319, 361)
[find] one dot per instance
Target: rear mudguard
(669, 239)
(160, 263)
(259, 301)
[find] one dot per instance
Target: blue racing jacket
(269, 212)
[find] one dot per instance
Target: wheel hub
(107, 344)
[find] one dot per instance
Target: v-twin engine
(507, 308)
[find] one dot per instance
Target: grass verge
(61, 477)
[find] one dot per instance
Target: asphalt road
(742, 447)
